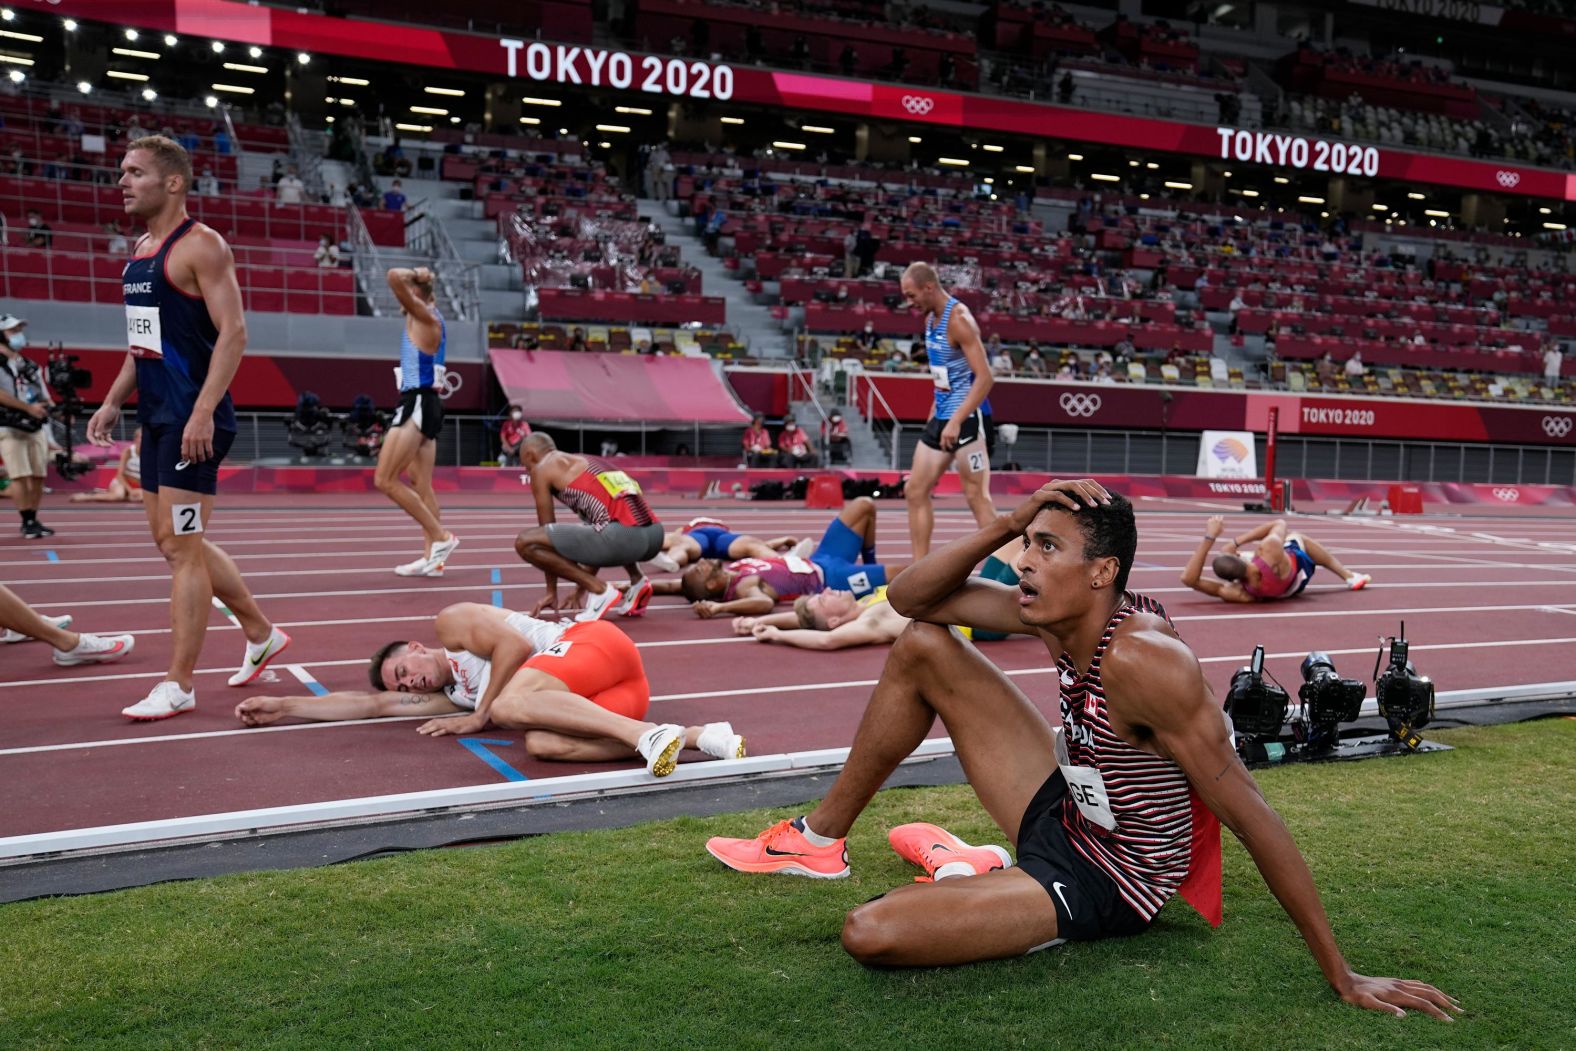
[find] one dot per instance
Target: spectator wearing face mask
(513, 431)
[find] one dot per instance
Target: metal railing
(892, 427)
(368, 264)
(459, 283)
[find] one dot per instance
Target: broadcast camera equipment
(68, 379)
(1257, 708)
(1327, 701)
(1406, 699)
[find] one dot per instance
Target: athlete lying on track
(709, 538)
(1280, 566)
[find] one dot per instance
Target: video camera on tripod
(68, 379)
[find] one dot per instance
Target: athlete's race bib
(1086, 786)
(618, 484)
(144, 336)
(941, 377)
(796, 564)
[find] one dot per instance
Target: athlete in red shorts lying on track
(1113, 810)
(1279, 567)
(580, 691)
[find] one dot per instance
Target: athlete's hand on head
(1216, 525)
(706, 609)
(197, 438)
(469, 723)
(1397, 995)
(102, 426)
(1072, 495)
(743, 625)
(422, 274)
(950, 434)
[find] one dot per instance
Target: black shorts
(1088, 905)
(976, 424)
(423, 405)
(162, 464)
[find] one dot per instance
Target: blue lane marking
(51, 556)
(497, 576)
(498, 599)
(317, 688)
(477, 746)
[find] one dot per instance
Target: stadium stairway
(751, 322)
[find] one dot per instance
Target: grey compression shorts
(614, 545)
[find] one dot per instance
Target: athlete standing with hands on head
(186, 334)
(411, 443)
(959, 430)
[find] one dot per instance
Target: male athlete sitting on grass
(1113, 812)
(580, 691)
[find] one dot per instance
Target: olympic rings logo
(1080, 404)
(1508, 179)
(452, 381)
(1556, 426)
(918, 105)
(1508, 494)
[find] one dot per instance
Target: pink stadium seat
(265, 301)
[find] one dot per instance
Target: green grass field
(1454, 868)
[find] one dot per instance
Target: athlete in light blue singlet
(959, 430)
(411, 444)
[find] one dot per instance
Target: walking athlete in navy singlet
(1113, 812)
(959, 430)
(411, 445)
(617, 528)
(186, 333)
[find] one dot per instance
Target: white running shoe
(636, 600)
(258, 654)
(805, 548)
(421, 567)
(660, 747)
(62, 621)
(664, 561)
(95, 649)
(443, 550)
(599, 606)
(719, 740)
(1357, 581)
(167, 699)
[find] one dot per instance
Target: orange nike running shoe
(782, 848)
(941, 854)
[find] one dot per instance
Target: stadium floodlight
(733, 120)
(1554, 226)
(819, 129)
(1152, 166)
(454, 120)
(8, 15)
(455, 92)
(210, 101)
(1544, 211)
(1225, 175)
(131, 52)
(414, 127)
(115, 74)
(218, 47)
(637, 111)
(1026, 169)
(533, 101)
(1102, 177)
(615, 129)
(1075, 156)
(991, 147)
(303, 58)
(1381, 207)
(31, 38)
(242, 67)
(70, 25)
(1414, 195)
(1132, 164)
(955, 162)
(17, 76)
(1281, 180)
(915, 139)
(1305, 199)
(530, 120)
(1246, 193)
(131, 34)
(354, 81)
(789, 145)
(235, 89)
(170, 40)
(1174, 185)
(148, 94)
(16, 60)
(431, 111)
(1436, 213)
(84, 87)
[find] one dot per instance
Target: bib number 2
(186, 518)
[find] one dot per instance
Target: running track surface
(1487, 602)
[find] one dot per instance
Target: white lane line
(754, 691)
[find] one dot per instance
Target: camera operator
(24, 414)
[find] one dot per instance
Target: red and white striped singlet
(1148, 852)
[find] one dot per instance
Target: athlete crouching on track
(1280, 565)
(580, 691)
(1102, 809)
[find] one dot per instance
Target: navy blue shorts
(162, 464)
(1305, 567)
(714, 541)
(838, 556)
